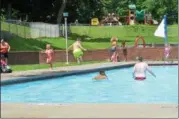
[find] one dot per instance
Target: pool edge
(73, 72)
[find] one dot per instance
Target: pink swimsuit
(167, 51)
(49, 54)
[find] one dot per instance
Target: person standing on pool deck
(140, 69)
(50, 55)
(114, 50)
(124, 49)
(167, 51)
(5, 48)
(77, 50)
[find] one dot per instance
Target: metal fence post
(17, 30)
(24, 31)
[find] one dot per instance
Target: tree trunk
(9, 10)
(60, 12)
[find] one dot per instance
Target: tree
(61, 10)
(83, 10)
(159, 8)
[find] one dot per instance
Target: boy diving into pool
(77, 50)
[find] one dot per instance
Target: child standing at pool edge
(114, 50)
(50, 55)
(167, 51)
(124, 49)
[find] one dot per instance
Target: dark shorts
(124, 51)
(5, 55)
(113, 49)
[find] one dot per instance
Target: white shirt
(140, 69)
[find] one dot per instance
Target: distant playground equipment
(94, 22)
(136, 16)
(110, 19)
(137, 40)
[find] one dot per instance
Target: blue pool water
(121, 88)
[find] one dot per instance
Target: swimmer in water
(140, 69)
(101, 76)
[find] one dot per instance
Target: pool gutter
(74, 72)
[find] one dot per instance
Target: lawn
(93, 37)
(45, 66)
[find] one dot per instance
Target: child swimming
(101, 76)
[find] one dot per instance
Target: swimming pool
(120, 88)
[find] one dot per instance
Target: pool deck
(26, 110)
(89, 111)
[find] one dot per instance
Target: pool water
(120, 88)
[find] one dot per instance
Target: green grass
(129, 33)
(46, 66)
(93, 37)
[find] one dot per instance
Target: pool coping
(83, 69)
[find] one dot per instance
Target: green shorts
(77, 53)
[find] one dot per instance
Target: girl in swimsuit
(167, 51)
(114, 57)
(50, 55)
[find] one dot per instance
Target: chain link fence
(14, 28)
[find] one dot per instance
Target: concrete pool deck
(25, 110)
(89, 110)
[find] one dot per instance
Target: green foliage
(159, 8)
(2, 15)
(84, 10)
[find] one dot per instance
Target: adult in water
(140, 69)
(77, 50)
(101, 76)
(5, 48)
